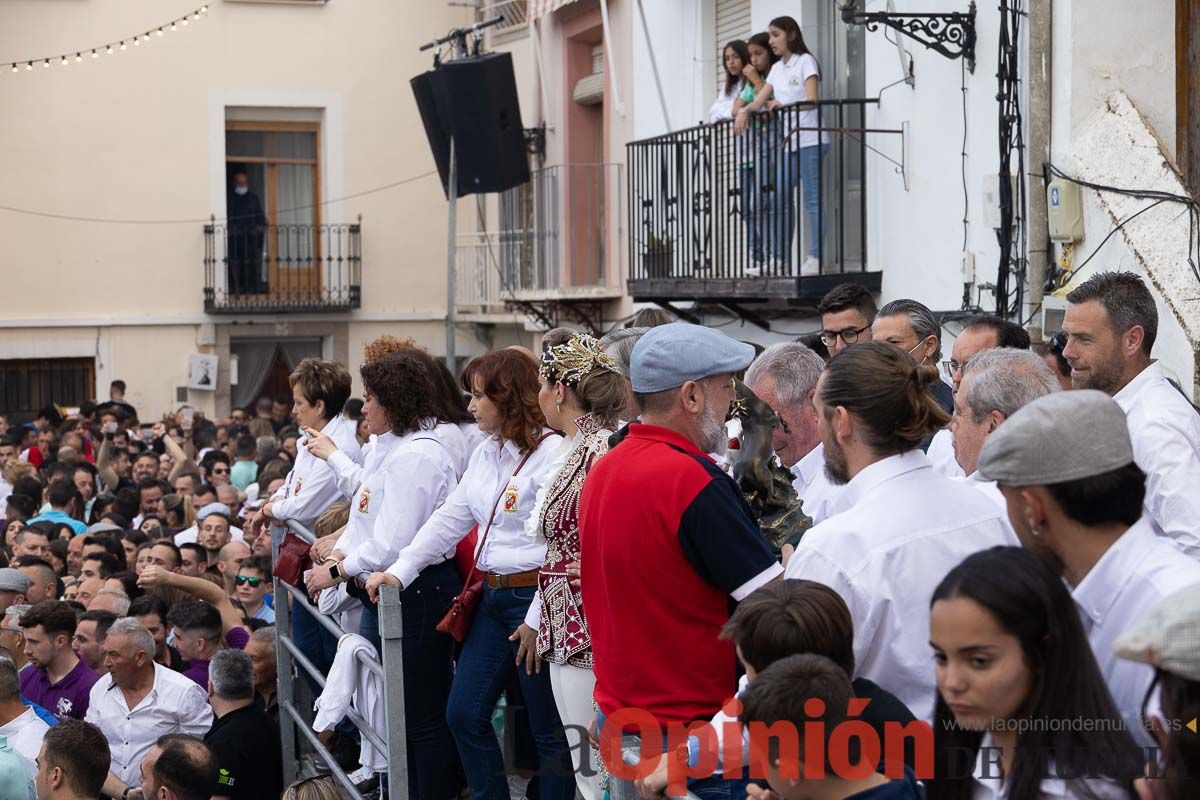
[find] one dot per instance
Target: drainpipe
(1041, 251)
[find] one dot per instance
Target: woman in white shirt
(497, 494)
(735, 57)
(410, 470)
(1022, 709)
(758, 153)
(796, 78)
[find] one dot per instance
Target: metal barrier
(390, 669)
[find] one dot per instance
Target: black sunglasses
(242, 580)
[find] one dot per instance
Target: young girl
(756, 151)
(796, 78)
(736, 58)
(1016, 681)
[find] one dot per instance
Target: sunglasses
(242, 580)
(220, 472)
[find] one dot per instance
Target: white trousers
(572, 687)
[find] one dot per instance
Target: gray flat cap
(214, 508)
(103, 527)
(1168, 637)
(1064, 436)
(13, 580)
(671, 355)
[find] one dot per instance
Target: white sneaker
(753, 272)
(810, 266)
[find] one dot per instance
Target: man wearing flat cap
(14, 588)
(1066, 468)
(667, 538)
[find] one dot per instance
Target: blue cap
(671, 355)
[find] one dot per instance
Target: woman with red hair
(497, 494)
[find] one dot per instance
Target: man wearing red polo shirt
(668, 542)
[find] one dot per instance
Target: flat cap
(671, 355)
(13, 580)
(1168, 637)
(213, 508)
(103, 527)
(1064, 436)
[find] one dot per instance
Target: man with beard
(660, 525)
(897, 527)
(1111, 324)
(1066, 467)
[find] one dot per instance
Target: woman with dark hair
(497, 494)
(1016, 681)
(757, 149)
(796, 78)
(410, 470)
(735, 57)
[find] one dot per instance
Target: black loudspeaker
(475, 101)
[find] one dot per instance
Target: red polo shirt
(667, 542)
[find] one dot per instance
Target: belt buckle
(503, 581)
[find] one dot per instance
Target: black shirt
(247, 750)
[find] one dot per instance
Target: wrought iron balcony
(282, 268)
(722, 216)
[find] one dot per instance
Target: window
(29, 385)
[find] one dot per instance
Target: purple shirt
(198, 671)
(67, 698)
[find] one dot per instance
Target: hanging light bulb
(78, 57)
(14, 69)
(46, 63)
(160, 31)
(108, 49)
(184, 21)
(172, 26)
(137, 42)
(95, 54)
(29, 67)
(64, 61)
(203, 9)
(196, 15)
(145, 37)
(122, 45)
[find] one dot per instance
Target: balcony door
(281, 164)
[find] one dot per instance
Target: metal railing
(279, 268)
(559, 235)
(389, 669)
(711, 204)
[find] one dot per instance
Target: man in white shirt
(1111, 324)
(192, 535)
(139, 700)
(993, 385)
(1065, 464)
(19, 723)
(897, 527)
(784, 376)
(979, 333)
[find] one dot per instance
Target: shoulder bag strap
(495, 505)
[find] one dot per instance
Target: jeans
(759, 153)
(433, 769)
(802, 166)
(486, 664)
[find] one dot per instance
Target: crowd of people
(1004, 551)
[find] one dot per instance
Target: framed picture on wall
(202, 372)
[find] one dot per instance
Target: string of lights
(136, 40)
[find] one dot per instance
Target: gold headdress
(573, 359)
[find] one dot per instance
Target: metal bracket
(535, 141)
(951, 34)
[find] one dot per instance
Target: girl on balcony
(756, 153)
(796, 78)
(736, 57)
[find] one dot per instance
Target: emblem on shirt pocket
(299, 482)
(364, 500)
(794, 81)
(510, 499)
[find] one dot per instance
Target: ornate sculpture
(766, 484)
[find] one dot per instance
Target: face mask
(241, 190)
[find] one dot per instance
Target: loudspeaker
(475, 101)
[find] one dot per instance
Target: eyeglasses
(952, 365)
(242, 580)
(849, 335)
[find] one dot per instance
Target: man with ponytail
(896, 527)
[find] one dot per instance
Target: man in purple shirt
(198, 636)
(56, 679)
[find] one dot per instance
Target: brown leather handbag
(293, 559)
(457, 621)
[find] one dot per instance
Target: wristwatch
(335, 571)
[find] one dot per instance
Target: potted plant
(658, 255)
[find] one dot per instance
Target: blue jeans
(433, 770)
(486, 664)
(803, 167)
(759, 154)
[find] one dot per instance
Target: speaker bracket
(535, 141)
(551, 313)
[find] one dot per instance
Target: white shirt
(722, 107)
(788, 79)
(895, 531)
(410, 482)
(1165, 430)
(813, 485)
(1138, 571)
(488, 484)
(175, 704)
(5, 490)
(192, 534)
(24, 734)
(312, 487)
(987, 785)
(941, 453)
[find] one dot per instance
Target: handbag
(293, 559)
(457, 621)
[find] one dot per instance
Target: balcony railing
(559, 237)
(282, 268)
(721, 215)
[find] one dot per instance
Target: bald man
(229, 561)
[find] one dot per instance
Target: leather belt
(518, 580)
